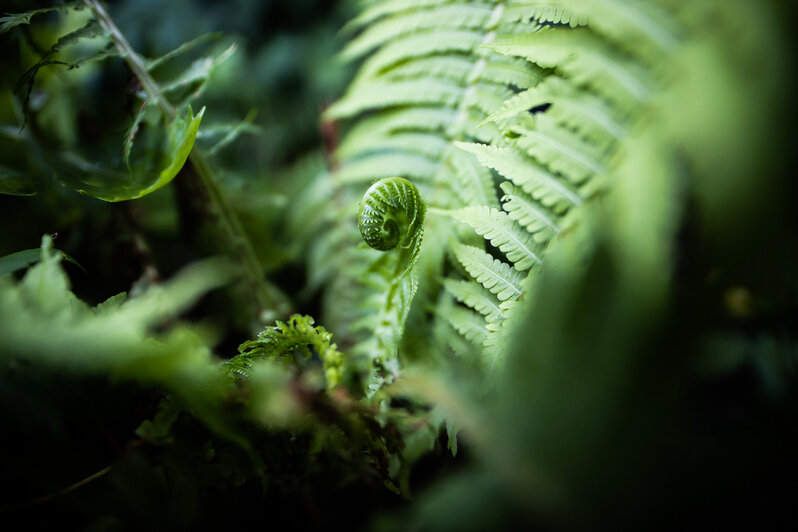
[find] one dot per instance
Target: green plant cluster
(575, 306)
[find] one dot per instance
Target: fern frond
(561, 151)
(408, 119)
(579, 55)
(453, 67)
(472, 182)
(444, 334)
(476, 297)
(195, 78)
(547, 13)
(502, 232)
(642, 29)
(497, 341)
(499, 277)
(508, 71)
(331, 252)
(539, 221)
(390, 219)
(377, 10)
(468, 323)
(426, 144)
(486, 97)
(417, 45)
(383, 319)
(436, 18)
(392, 214)
(228, 133)
(382, 94)
(10, 21)
(480, 131)
(184, 48)
(522, 102)
(425, 86)
(580, 112)
(524, 172)
(89, 30)
(289, 342)
(381, 165)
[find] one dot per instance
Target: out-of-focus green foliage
(22, 259)
(42, 319)
(597, 330)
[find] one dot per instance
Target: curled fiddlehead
(392, 214)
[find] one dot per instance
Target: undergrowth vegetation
(397, 264)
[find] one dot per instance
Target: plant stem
(53, 496)
(271, 302)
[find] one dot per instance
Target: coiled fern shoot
(510, 117)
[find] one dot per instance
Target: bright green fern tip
(290, 343)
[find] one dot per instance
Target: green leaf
(497, 276)
(534, 217)
(474, 182)
(43, 323)
(186, 47)
(150, 167)
(476, 297)
(452, 429)
(159, 430)
(486, 97)
(381, 94)
(588, 116)
(502, 232)
(23, 259)
(90, 30)
(531, 10)
(384, 315)
(377, 10)
(643, 29)
(431, 120)
(468, 323)
(580, 55)
(509, 71)
(290, 342)
(561, 151)
(191, 83)
(453, 67)
(367, 169)
(417, 45)
(11, 21)
(524, 172)
(388, 29)
(229, 132)
(17, 261)
(127, 144)
(14, 183)
(429, 145)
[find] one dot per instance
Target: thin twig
(271, 302)
(58, 494)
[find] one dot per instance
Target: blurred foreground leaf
(15, 183)
(42, 322)
(23, 259)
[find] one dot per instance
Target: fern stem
(58, 494)
(271, 302)
(133, 59)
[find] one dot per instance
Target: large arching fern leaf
(510, 117)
